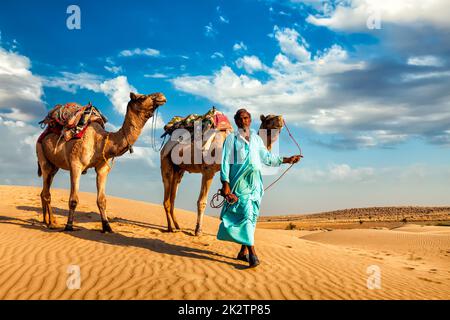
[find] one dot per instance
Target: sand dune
(142, 261)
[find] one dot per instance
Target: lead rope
(301, 156)
(153, 134)
(216, 196)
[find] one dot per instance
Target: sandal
(253, 261)
(242, 257)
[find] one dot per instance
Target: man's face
(243, 121)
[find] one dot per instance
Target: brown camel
(93, 150)
(172, 173)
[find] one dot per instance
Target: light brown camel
(172, 173)
(90, 151)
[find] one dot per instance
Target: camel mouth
(160, 101)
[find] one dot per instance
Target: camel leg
(207, 178)
(48, 172)
(176, 179)
(102, 175)
(166, 173)
(75, 173)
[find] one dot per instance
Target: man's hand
(292, 160)
(231, 198)
(226, 192)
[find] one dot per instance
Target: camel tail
(39, 170)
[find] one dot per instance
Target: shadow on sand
(119, 239)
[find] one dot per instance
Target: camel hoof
(198, 232)
(68, 228)
(106, 228)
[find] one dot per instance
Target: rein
(301, 156)
(153, 134)
(213, 203)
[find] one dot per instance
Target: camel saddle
(71, 120)
(213, 119)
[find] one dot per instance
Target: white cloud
(156, 76)
(140, 52)
(210, 31)
(354, 14)
(216, 55)
(239, 46)
(146, 155)
(20, 91)
(250, 64)
(426, 61)
(336, 173)
(223, 19)
(71, 82)
(114, 69)
(408, 77)
(288, 40)
(18, 162)
(118, 92)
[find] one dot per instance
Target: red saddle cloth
(58, 130)
(221, 122)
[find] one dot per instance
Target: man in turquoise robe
(243, 157)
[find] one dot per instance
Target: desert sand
(142, 261)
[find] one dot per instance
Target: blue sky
(370, 107)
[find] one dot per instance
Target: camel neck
(267, 139)
(121, 140)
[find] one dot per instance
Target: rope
(215, 198)
(301, 156)
(103, 154)
(57, 142)
(153, 134)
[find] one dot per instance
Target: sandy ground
(142, 261)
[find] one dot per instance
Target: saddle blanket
(71, 120)
(212, 119)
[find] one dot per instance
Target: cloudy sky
(364, 86)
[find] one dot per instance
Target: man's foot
(242, 257)
(253, 261)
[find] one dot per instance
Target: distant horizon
(216, 212)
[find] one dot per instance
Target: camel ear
(133, 96)
(263, 118)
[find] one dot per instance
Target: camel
(172, 173)
(93, 150)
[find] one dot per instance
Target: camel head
(144, 105)
(273, 124)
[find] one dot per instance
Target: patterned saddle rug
(71, 120)
(213, 119)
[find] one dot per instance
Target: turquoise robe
(241, 166)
